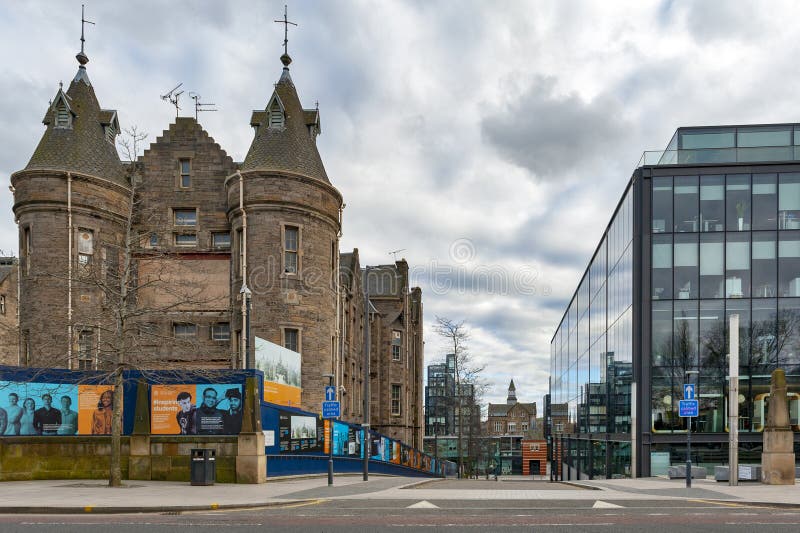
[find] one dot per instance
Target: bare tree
(468, 382)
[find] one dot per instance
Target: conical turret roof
(290, 146)
(85, 143)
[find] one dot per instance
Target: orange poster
(327, 446)
(282, 394)
(165, 408)
(95, 409)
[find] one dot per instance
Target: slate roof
(502, 409)
(291, 148)
(82, 148)
(7, 266)
(382, 280)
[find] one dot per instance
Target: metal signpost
(688, 408)
(330, 411)
(733, 403)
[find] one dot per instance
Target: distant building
(512, 417)
(443, 398)
(507, 425)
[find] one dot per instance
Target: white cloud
(407, 91)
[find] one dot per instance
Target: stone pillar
(777, 460)
(251, 461)
(139, 463)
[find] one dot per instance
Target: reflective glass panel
(662, 267)
(662, 333)
(662, 204)
(737, 265)
(789, 264)
(685, 335)
(737, 202)
(686, 265)
(712, 203)
(712, 265)
(765, 264)
(686, 204)
(789, 201)
(765, 201)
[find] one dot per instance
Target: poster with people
(47, 409)
(196, 409)
(281, 368)
(95, 409)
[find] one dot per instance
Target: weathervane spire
(285, 59)
(82, 57)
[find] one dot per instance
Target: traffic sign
(689, 391)
(687, 408)
(330, 393)
(330, 410)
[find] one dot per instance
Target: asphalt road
(355, 516)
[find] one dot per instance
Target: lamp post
(365, 424)
(330, 437)
(689, 374)
(247, 297)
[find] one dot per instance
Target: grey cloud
(551, 134)
(716, 21)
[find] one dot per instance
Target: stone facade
(396, 353)
(512, 417)
(9, 328)
(205, 232)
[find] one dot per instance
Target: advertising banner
(376, 444)
(387, 449)
(196, 409)
(95, 409)
(38, 408)
(281, 368)
(395, 452)
(301, 433)
(55, 409)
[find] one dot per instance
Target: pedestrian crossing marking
(599, 504)
(423, 505)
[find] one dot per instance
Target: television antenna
(172, 97)
(395, 252)
(198, 105)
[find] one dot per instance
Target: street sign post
(331, 410)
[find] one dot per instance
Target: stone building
(9, 330)
(396, 349)
(512, 417)
(209, 243)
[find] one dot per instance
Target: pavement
(94, 496)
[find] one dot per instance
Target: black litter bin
(204, 466)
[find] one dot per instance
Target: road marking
(424, 504)
(599, 504)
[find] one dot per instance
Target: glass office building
(706, 229)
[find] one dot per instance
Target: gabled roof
(60, 99)
(82, 148)
(502, 409)
(291, 148)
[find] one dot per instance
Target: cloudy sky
(488, 140)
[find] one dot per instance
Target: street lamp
(330, 437)
(365, 424)
(689, 374)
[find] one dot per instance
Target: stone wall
(87, 457)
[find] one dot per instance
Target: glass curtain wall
(734, 249)
(591, 352)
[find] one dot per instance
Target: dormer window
(63, 116)
(275, 116)
(275, 113)
(111, 133)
